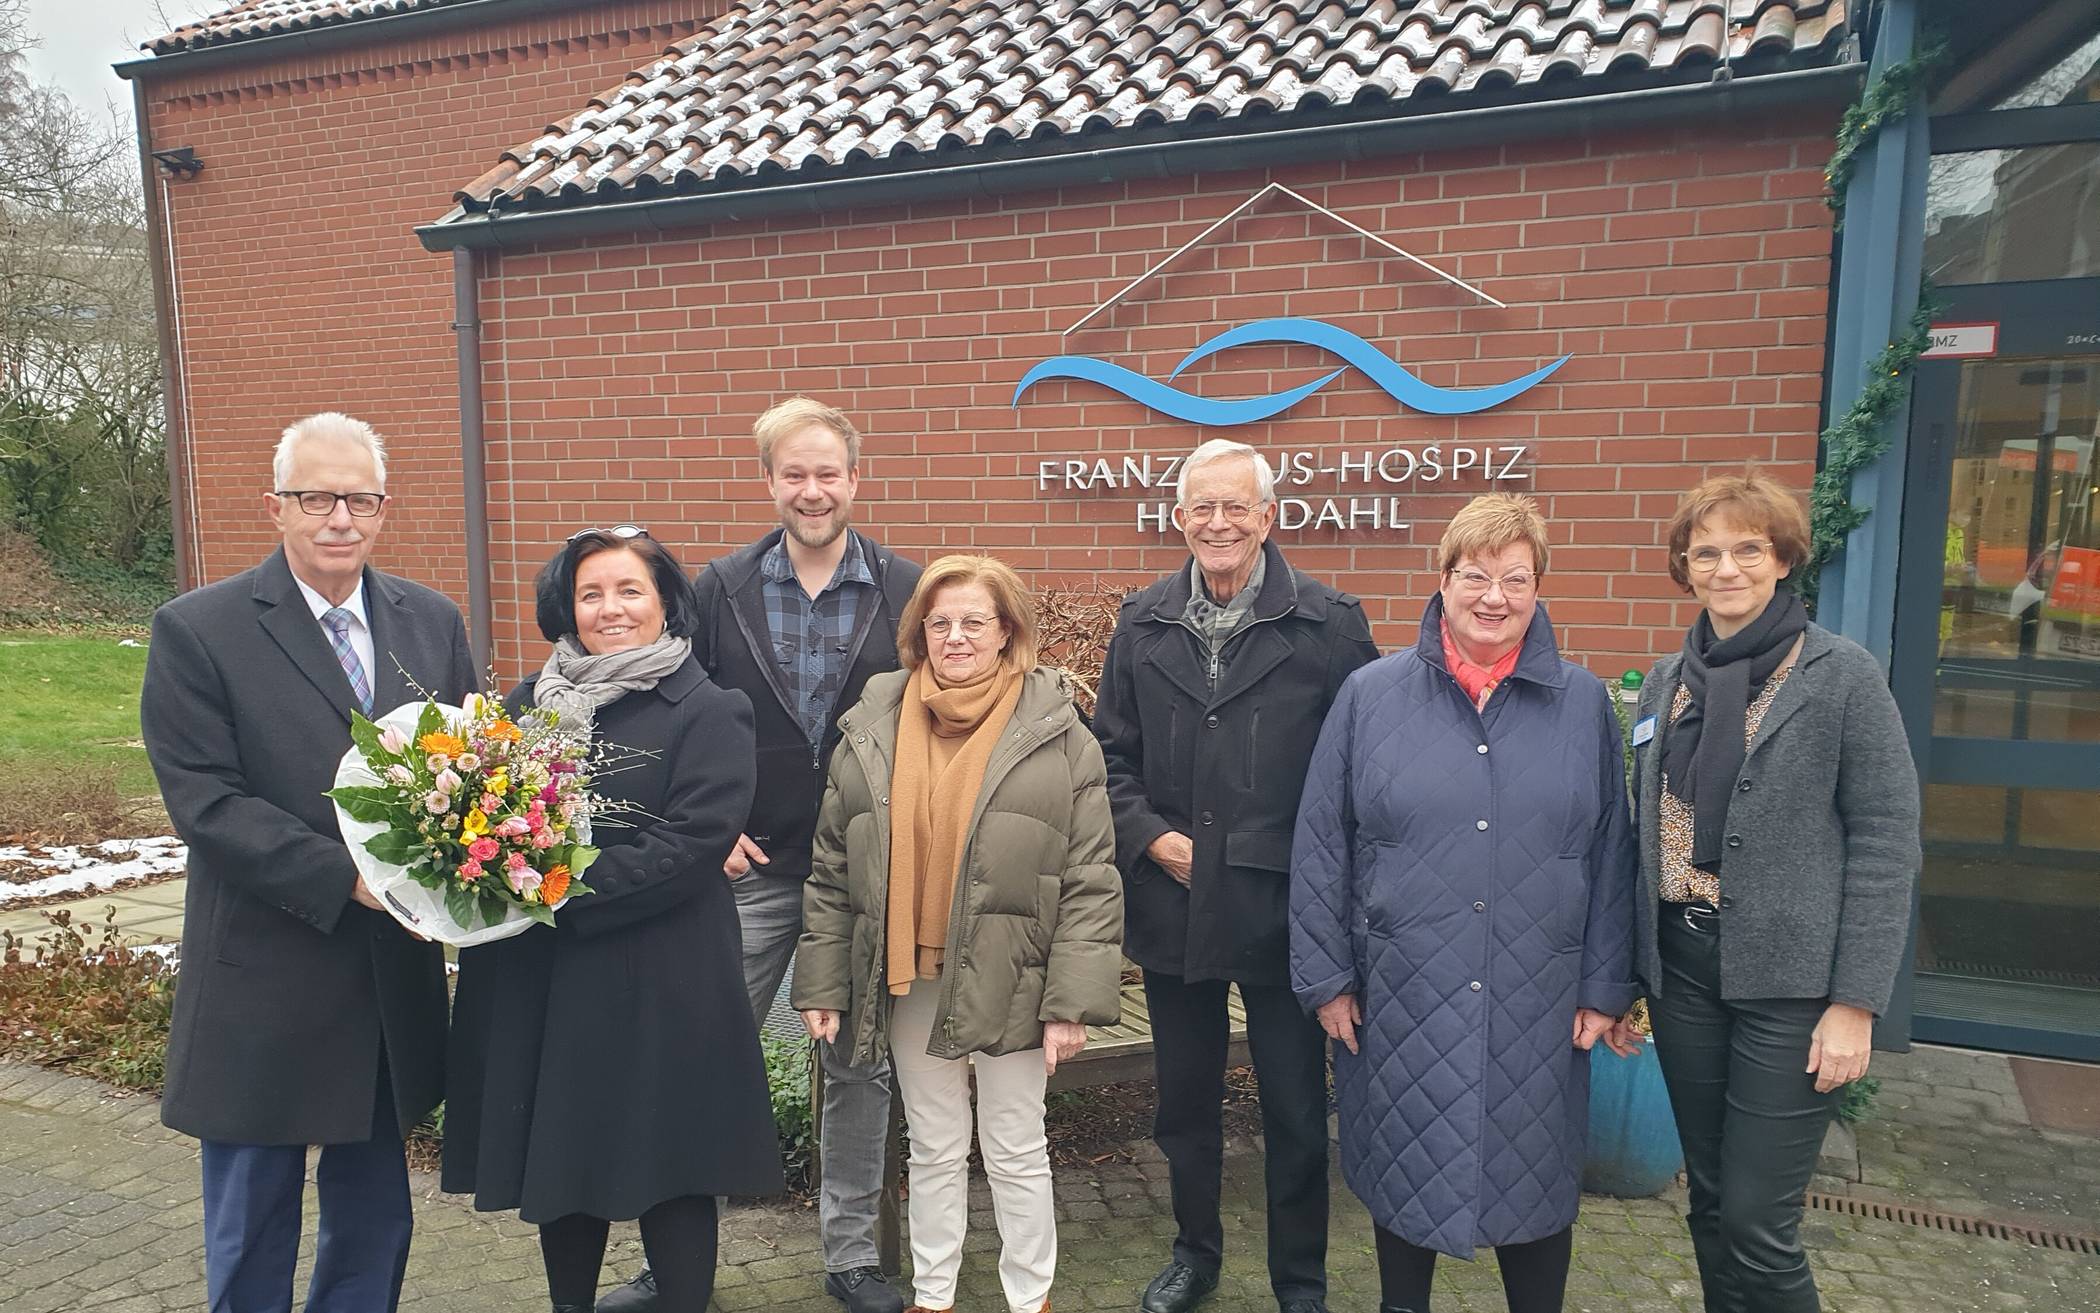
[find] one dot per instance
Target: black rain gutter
(466, 323)
(1355, 139)
(337, 36)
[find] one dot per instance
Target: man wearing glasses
(1217, 681)
(306, 1016)
(798, 621)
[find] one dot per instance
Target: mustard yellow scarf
(945, 738)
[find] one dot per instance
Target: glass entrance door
(1998, 668)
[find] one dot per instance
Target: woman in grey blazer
(1778, 812)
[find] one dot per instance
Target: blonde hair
(1009, 594)
(795, 414)
(1753, 499)
(1488, 524)
(328, 426)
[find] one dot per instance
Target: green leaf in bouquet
(368, 803)
(365, 735)
(462, 905)
(538, 912)
(398, 846)
(432, 721)
(579, 860)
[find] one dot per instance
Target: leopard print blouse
(1683, 882)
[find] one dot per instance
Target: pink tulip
(393, 741)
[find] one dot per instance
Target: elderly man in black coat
(1216, 683)
(306, 1015)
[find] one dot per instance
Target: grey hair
(1218, 449)
(333, 425)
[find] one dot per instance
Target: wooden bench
(1122, 1052)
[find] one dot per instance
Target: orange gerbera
(554, 884)
(449, 744)
(505, 731)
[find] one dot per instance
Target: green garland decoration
(1859, 437)
(1856, 441)
(1880, 104)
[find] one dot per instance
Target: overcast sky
(80, 39)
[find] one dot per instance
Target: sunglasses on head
(622, 532)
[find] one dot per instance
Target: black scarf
(1703, 751)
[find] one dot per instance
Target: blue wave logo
(1376, 365)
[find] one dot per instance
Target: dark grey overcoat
(287, 985)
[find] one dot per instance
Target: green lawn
(71, 700)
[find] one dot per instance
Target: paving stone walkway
(99, 1211)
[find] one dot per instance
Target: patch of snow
(93, 867)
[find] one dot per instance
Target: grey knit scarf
(576, 683)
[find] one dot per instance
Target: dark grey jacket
(1823, 843)
(1222, 763)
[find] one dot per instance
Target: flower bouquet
(468, 826)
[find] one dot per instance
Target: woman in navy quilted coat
(1462, 919)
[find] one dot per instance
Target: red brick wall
(1685, 271)
(301, 284)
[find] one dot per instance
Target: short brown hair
(798, 413)
(1489, 523)
(1009, 594)
(1753, 499)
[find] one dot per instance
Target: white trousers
(936, 1094)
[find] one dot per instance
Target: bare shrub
(1076, 625)
(95, 1007)
(81, 804)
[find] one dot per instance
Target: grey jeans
(856, 1099)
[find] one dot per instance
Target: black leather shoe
(863, 1290)
(1178, 1289)
(637, 1296)
(1312, 1306)
(570, 1308)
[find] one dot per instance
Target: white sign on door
(1960, 341)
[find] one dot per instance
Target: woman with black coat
(607, 1067)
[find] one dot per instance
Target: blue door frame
(2056, 319)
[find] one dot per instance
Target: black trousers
(1534, 1273)
(1750, 1118)
(1189, 1038)
(679, 1237)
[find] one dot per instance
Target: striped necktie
(337, 621)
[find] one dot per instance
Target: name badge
(1643, 730)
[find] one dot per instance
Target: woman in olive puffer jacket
(963, 910)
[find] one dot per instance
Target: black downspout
(466, 322)
(160, 248)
